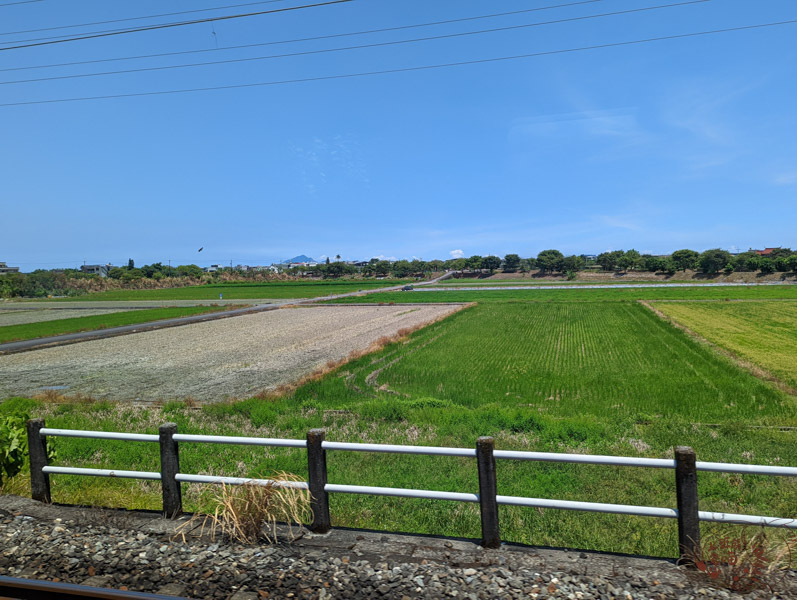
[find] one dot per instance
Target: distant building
(765, 251)
(101, 270)
(589, 257)
(213, 268)
(4, 268)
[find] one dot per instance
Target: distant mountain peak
(298, 259)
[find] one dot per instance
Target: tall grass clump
(250, 512)
(745, 560)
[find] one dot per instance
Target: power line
(166, 25)
(307, 39)
(171, 14)
(359, 47)
(23, 2)
(408, 69)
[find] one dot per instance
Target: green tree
(456, 264)
(792, 262)
(491, 263)
(511, 263)
(609, 260)
(401, 268)
(131, 264)
(131, 274)
(382, 268)
(474, 263)
(714, 260)
(767, 265)
(573, 264)
(550, 261)
(746, 261)
(685, 259)
(189, 271)
(651, 263)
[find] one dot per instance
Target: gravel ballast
(140, 552)
(227, 358)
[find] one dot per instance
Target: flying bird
(201, 249)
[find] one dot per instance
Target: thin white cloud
(457, 254)
(788, 178)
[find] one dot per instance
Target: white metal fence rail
(685, 465)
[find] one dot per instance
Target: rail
(684, 464)
(32, 589)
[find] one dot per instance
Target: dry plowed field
(234, 357)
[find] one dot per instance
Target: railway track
(32, 589)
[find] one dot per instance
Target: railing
(684, 464)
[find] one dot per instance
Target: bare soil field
(235, 357)
(38, 315)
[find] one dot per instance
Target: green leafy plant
(12, 446)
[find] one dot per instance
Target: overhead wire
(21, 2)
(161, 26)
(409, 69)
(306, 39)
(171, 14)
(359, 47)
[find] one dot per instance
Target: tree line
(65, 282)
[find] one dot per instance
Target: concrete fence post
(37, 451)
(317, 481)
(686, 491)
(491, 536)
(170, 467)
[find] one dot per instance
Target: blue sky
(659, 146)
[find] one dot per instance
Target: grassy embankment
(591, 377)
(244, 291)
(29, 331)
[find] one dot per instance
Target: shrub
(12, 446)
